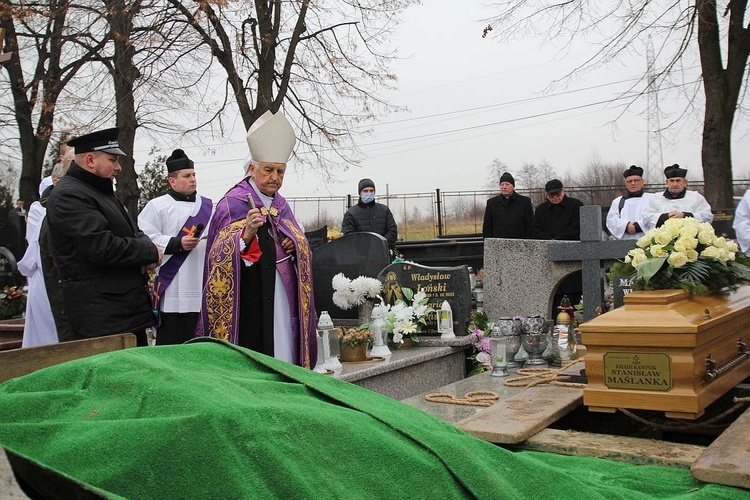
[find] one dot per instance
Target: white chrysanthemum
(398, 338)
(420, 310)
(340, 300)
(367, 287)
(710, 253)
(677, 259)
(401, 311)
(339, 282)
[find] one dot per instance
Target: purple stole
(221, 298)
(168, 270)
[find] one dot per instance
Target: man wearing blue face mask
(371, 217)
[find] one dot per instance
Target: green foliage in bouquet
(686, 254)
(12, 302)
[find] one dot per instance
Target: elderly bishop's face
(268, 176)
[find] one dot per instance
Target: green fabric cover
(211, 420)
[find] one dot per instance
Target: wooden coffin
(652, 352)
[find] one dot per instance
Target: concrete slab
(9, 488)
(520, 416)
(621, 448)
(727, 460)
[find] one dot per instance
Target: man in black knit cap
(369, 216)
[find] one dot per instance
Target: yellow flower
(672, 228)
(638, 258)
(677, 259)
(719, 242)
(679, 247)
(658, 250)
(732, 246)
(664, 237)
(692, 255)
(688, 242)
(710, 253)
(705, 237)
(645, 240)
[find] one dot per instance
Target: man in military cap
(258, 278)
(103, 257)
(677, 201)
(625, 216)
(175, 222)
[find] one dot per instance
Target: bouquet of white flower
(687, 254)
(349, 293)
(406, 317)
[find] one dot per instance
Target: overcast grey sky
(472, 100)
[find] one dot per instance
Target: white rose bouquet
(687, 254)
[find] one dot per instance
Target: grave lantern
(330, 341)
(377, 325)
(498, 353)
(445, 321)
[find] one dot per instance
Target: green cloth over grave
(211, 420)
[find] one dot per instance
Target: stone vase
(354, 353)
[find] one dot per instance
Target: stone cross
(590, 251)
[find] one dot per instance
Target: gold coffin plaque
(640, 371)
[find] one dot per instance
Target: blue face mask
(368, 197)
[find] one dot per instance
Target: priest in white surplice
(625, 216)
(677, 201)
(175, 222)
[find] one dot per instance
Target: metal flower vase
(510, 328)
(535, 338)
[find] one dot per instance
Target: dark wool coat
(558, 222)
(100, 253)
(508, 218)
(371, 218)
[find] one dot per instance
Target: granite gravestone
(439, 283)
(622, 287)
(317, 237)
(9, 274)
(354, 255)
(722, 223)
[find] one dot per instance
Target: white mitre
(271, 138)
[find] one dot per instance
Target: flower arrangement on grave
(480, 328)
(349, 293)
(687, 254)
(406, 317)
(12, 302)
(353, 337)
(333, 233)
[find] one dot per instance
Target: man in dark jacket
(558, 217)
(508, 215)
(371, 217)
(103, 258)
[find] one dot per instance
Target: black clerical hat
(675, 171)
(506, 177)
(633, 170)
(104, 141)
(179, 161)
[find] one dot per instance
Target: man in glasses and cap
(677, 201)
(103, 257)
(557, 218)
(625, 216)
(257, 289)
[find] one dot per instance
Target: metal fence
(441, 214)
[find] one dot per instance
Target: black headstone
(354, 255)
(722, 222)
(621, 289)
(439, 283)
(317, 237)
(9, 275)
